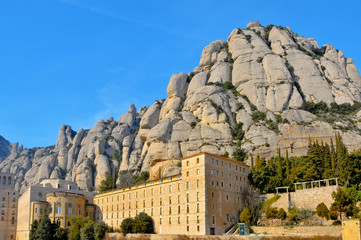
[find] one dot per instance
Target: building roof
(217, 156)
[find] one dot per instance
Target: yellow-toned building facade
(8, 206)
(59, 199)
(206, 198)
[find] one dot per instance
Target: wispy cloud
(130, 20)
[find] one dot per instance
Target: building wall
(8, 207)
(226, 184)
(180, 204)
(36, 197)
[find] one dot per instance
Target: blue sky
(75, 62)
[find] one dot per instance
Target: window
(212, 194)
(179, 209)
(213, 220)
(229, 165)
(151, 212)
(170, 200)
(144, 203)
(221, 163)
(227, 217)
(197, 171)
(216, 162)
(212, 182)
(160, 211)
(187, 197)
(36, 210)
(187, 174)
(187, 208)
(170, 210)
(179, 186)
(187, 228)
(170, 220)
(152, 203)
(41, 211)
(230, 186)
(197, 183)
(197, 160)
(187, 185)
(211, 171)
(170, 188)
(198, 219)
(160, 202)
(221, 184)
(221, 174)
(217, 173)
(187, 219)
(229, 176)
(70, 211)
(197, 207)
(197, 196)
(160, 221)
(58, 211)
(212, 161)
(187, 163)
(227, 197)
(178, 220)
(160, 190)
(178, 199)
(198, 228)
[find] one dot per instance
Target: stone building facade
(57, 198)
(8, 206)
(206, 198)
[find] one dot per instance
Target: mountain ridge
(250, 94)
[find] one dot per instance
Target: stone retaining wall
(299, 230)
(119, 236)
(305, 199)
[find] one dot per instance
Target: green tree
(76, 223)
(127, 225)
(60, 234)
(100, 228)
(343, 203)
(322, 210)
(143, 223)
(279, 164)
(287, 160)
(281, 214)
(87, 232)
(107, 183)
(33, 228)
(245, 216)
(45, 229)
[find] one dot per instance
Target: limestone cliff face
(259, 71)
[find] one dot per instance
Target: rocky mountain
(247, 94)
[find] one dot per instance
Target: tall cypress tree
(251, 161)
(287, 165)
(279, 164)
(341, 151)
(333, 155)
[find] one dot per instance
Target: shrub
(322, 210)
(193, 124)
(258, 116)
(271, 212)
(245, 216)
(281, 214)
